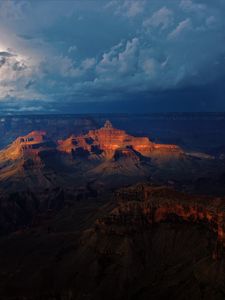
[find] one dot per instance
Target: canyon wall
(142, 206)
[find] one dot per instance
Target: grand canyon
(107, 213)
(112, 150)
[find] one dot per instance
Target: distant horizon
(113, 113)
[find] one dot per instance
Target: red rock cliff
(143, 205)
(109, 139)
(29, 145)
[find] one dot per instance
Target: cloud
(211, 22)
(72, 49)
(120, 60)
(143, 47)
(127, 8)
(2, 61)
(133, 7)
(189, 6)
(6, 54)
(27, 109)
(162, 18)
(15, 73)
(88, 63)
(13, 10)
(183, 26)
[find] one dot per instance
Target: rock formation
(107, 140)
(31, 144)
(142, 205)
(25, 153)
(105, 143)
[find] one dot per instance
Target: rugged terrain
(38, 174)
(146, 242)
(76, 224)
(204, 132)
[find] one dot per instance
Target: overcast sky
(119, 55)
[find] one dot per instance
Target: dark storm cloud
(105, 51)
(6, 54)
(2, 61)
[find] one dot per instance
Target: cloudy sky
(112, 56)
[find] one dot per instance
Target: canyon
(196, 131)
(99, 213)
(35, 170)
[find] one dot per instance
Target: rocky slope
(146, 243)
(31, 145)
(143, 205)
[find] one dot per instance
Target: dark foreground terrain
(159, 246)
(133, 210)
